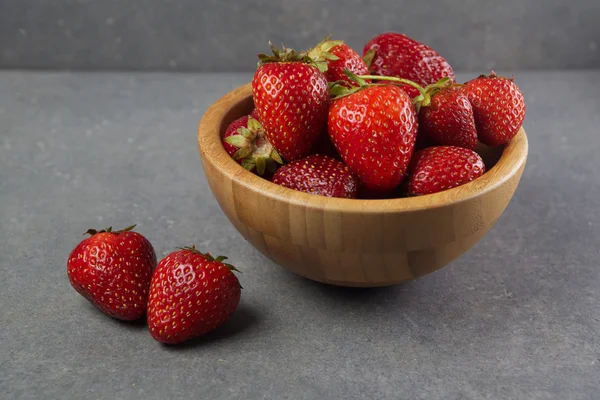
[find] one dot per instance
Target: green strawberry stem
(338, 90)
(368, 57)
(289, 55)
(209, 257)
(441, 84)
(434, 88)
(93, 232)
(422, 99)
(321, 53)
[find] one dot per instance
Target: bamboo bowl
(345, 242)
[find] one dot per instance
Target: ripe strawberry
(448, 119)
(337, 57)
(318, 174)
(232, 130)
(439, 168)
(191, 294)
(374, 129)
(245, 141)
(292, 98)
(498, 106)
(112, 269)
(395, 54)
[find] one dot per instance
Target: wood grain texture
(349, 242)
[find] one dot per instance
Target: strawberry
(320, 175)
(112, 269)
(443, 167)
(245, 141)
(337, 57)
(448, 119)
(374, 130)
(191, 294)
(292, 98)
(232, 129)
(498, 107)
(395, 54)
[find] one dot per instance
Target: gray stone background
(516, 317)
(220, 35)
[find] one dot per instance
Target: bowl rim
(211, 150)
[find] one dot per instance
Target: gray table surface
(516, 317)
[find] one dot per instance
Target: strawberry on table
(291, 96)
(448, 118)
(498, 107)
(337, 57)
(395, 54)
(374, 129)
(439, 168)
(191, 294)
(112, 269)
(320, 175)
(245, 141)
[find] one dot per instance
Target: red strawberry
(318, 174)
(292, 98)
(498, 106)
(191, 294)
(112, 269)
(439, 168)
(374, 129)
(337, 57)
(245, 141)
(448, 119)
(232, 130)
(395, 54)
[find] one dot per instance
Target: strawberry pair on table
(311, 102)
(186, 295)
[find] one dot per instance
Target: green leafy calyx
(321, 53)
(341, 89)
(368, 57)
(209, 257)
(284, 55)
(93, 232)
(424, 99)
(254, 149)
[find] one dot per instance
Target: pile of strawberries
(391, 123)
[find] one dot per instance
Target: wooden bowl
(350, 242)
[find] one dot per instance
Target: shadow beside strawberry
(243, 321)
